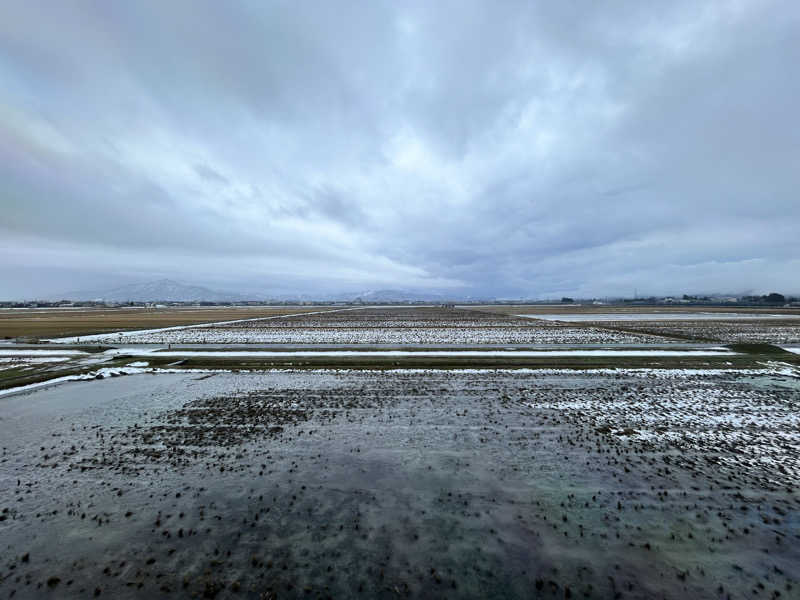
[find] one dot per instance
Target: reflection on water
(423, 483)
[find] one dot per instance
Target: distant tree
(774, 298)
(566, 300)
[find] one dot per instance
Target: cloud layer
(503, 149)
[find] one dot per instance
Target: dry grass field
(43, 323)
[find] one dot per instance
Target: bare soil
(46, 323)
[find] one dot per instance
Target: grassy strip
(57, 347)
(753, 357)
(38, 377)
(11, 378)
(765, 349)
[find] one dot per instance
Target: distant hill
(395, 296)
(168, 290)
(378, 296)
(164, 290)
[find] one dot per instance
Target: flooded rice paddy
(407, 483)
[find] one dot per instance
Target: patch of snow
(123, 335)
(409, 353)
(33, 360)
(656, 316)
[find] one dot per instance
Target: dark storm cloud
(490, 148)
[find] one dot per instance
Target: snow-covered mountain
(163, 290)
(168, 290)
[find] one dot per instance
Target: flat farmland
(385, 452)
(46, 323)
(393, 326)
(589, 309)
(733, 331)
(423, 483)
(714, 324)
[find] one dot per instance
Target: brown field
(43, 323)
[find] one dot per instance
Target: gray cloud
(491, 148)
(210, 174)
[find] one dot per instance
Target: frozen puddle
(657, 316)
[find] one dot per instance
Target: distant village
(767, 300)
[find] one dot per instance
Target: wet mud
(423, 484)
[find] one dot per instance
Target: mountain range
(163, 290)
(168, 290)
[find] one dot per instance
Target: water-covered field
(400, 451)
(413, 483)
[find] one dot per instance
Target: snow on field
(97, 374)
(405, 325)
(739, 331)
(740, 424)
(490, 476)
(432, 353)
(657, 316)
(115, 336)
(380, 335)
(17, 362)
(769, 369)
(751, 430)
(353, 322)
(721, 327)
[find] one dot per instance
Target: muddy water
(418, 484)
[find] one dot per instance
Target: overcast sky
(532, 149)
